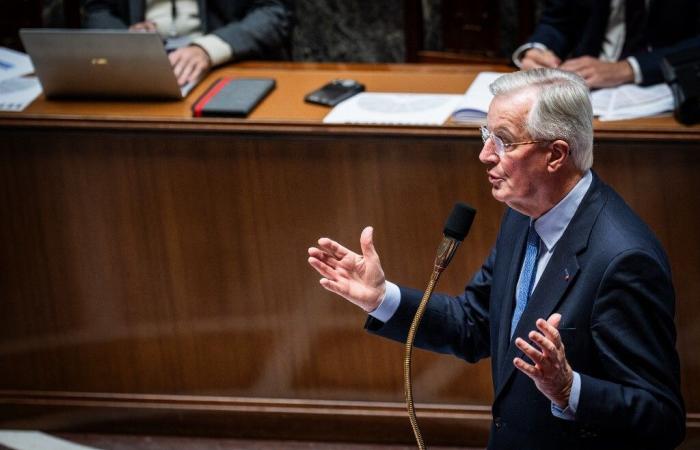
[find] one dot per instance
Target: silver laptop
(101, 63)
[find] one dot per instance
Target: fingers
(548, 341)
(331, 280)
(549, 331)
(549, 59)
(554, 320)
(586, 67)
(536, 57)
(535, 355)
(323, 268)
(179, 61)
(367, 243)
(189, 63)
(323, 257)
(527, 369)
(548, 344)
(333, 248)
(189, 73)
(175, 57)
(143, 26)
(333, 286)
(327, 259)
(549, 370)
(576, 64)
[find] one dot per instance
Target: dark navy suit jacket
(253, 29)
(610, 280)
(572, 28)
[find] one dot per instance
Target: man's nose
(487, 154)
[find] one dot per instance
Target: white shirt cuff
(569, 413)
(636, 69)
(518, 53)
(218, 50)
(390, 303)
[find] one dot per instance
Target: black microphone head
(459, 222)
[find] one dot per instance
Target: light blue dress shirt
(550, 227)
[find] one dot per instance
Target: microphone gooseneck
(456, 228)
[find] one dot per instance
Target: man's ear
(558, 154)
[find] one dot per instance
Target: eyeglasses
(499, 144)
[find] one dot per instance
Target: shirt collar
(551, 226)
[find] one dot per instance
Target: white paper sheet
(17, 93)
(630, 101)
(14, 64)
(36, 440)
(394, 109)
(476, 100)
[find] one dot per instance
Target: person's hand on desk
(189, 63)
(600, 74)
(143, 26)
(536, 57)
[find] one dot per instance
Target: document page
(630, 101)
(394, 109)
(14, 64)
(17, 93)
(36, 440)
(475, 102)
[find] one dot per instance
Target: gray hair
(562, 109)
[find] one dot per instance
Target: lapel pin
(566, 275)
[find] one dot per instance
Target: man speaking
(574, 304)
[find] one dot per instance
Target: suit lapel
(519, 233)
(555, 282)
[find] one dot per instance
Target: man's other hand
(551, 371)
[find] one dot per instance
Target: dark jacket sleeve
(560, 26)
(650, 61)
(451, 325)
(634, 334)
(263, 31)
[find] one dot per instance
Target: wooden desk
(153, 268)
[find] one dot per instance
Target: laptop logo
(99, 61)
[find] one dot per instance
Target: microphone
(456, 228)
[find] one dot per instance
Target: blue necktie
(527, 276)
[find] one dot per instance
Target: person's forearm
(262, 29)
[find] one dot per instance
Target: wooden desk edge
(224, 125)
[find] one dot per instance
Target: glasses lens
(485, 134)
(498, 143)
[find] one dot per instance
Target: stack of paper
(36, 440)
(630, 101)
(394, 109)
(16, 91)
(475, 102)
(417, 109)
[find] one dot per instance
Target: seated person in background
(611, 42)
(202, 33)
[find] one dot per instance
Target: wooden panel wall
(165, 271)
